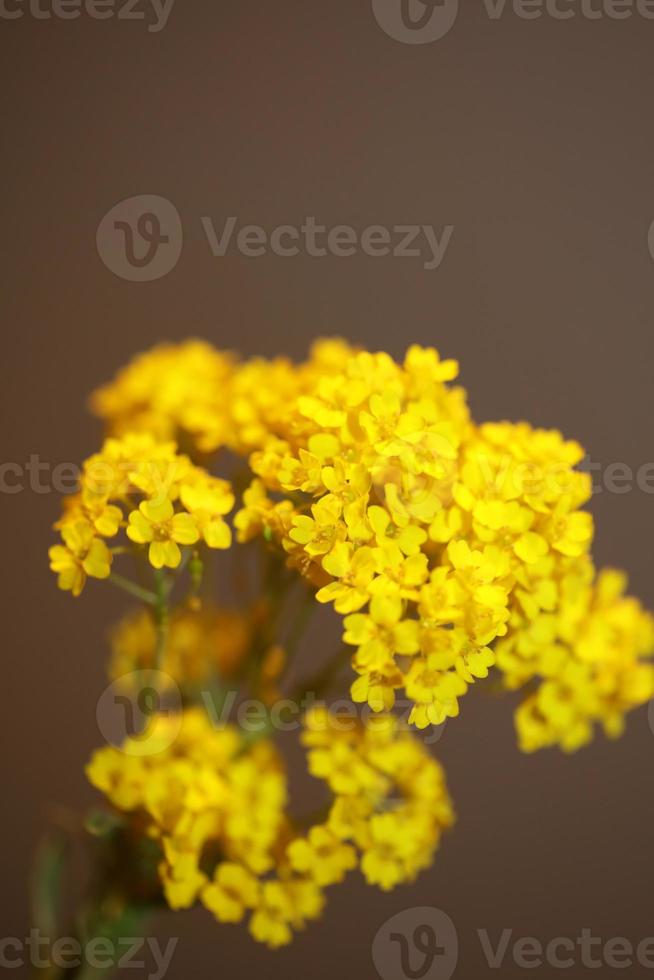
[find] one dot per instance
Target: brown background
(534, 140)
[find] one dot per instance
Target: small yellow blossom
(158, 525)
(82, 554)
(322, 856)
(382, 633)
(284, 906)
(208, 500)
(233, 890)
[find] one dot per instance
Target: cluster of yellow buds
(390, 800)
(218, 811)
(206, 399)
(145, 489)
(590, 651)
(448, 548)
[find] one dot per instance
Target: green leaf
(47, 880)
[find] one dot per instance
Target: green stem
(299, 626)
(161, 616)
(144, 595)
(196, 571)
(121, 891)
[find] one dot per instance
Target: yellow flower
(233, 890)
(354, 570)
(433, 685)
(382, 632)
(284, 905)
(157, 524)
(303, 473)
(398, 575)
(208, 500)
(571, 534)
(181, 878)
(93, 507)
(322, 856)
(386, 858)
(389, 537)
(82, 554)
(376, 688)
(260, 515)
(474, 664)
(319, 534)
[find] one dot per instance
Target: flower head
(82, 554)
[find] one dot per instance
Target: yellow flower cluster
(200, 643)
(435, 538)
(206, 399)
(447, 547)
(589, 648)
(218, 814)
(444, 544)
(146, 489)
(201, 795)
(174, 392)
(390, 801)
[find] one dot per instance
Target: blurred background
(532, 140)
